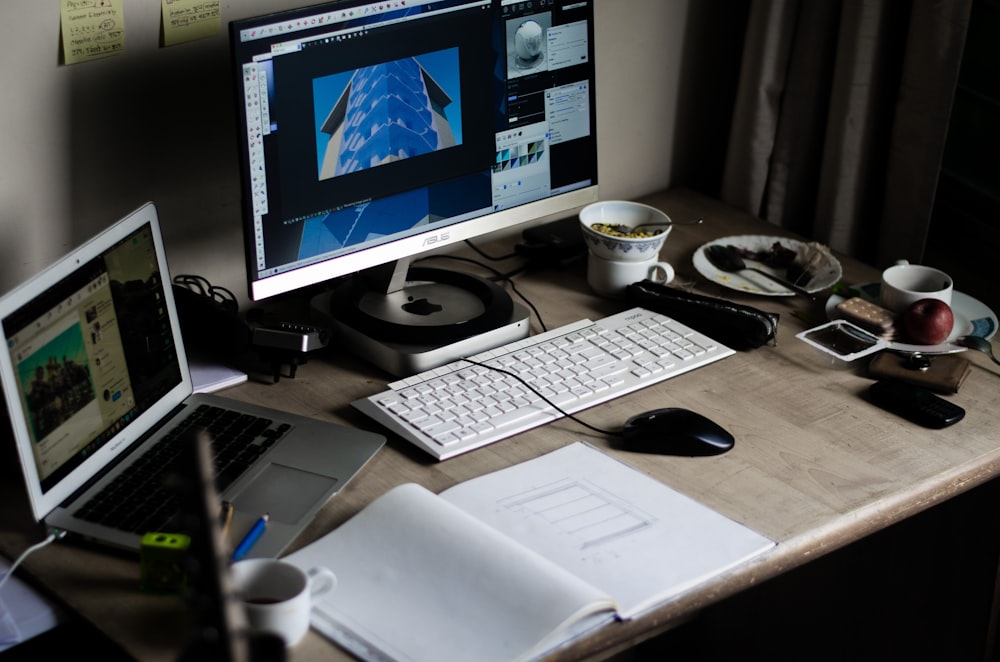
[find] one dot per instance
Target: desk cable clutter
(210, 322)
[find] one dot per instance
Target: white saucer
(972, 318)
(747, 281)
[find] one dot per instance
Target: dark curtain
(840, 119)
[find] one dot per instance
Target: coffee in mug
(277, 595)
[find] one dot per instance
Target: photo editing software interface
(373, 132)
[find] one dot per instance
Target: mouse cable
(54, 535)
(531, 388)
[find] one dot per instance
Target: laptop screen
(91, 353)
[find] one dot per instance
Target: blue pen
(252, 536)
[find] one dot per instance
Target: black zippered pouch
(733, 324)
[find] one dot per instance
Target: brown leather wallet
(944, 372)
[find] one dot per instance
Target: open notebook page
(418, 579)
(622, 531)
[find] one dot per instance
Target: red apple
(928, 322)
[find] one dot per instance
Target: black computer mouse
(675, 431)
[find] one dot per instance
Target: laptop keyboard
(138, 502)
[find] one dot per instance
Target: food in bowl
(614, 245)
(612, 229)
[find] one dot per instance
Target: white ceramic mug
(610, 278)
(277, 596)
(903, 284)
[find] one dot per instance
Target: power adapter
(211, 326)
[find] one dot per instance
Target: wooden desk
(815, 466)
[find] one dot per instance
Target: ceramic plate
(747, 281)
(972, 318)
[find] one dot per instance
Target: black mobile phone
(915, 403)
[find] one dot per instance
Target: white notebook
(517, 562)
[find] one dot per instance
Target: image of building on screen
(386, 112)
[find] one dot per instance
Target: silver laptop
(95, 375)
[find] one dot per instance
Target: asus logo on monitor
(433, 239)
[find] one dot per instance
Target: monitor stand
(410, 319)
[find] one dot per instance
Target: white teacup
(610, 278)
(629, 214)
(277, 596)
(903, 284)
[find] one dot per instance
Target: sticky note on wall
(91, 29)
(187, 20)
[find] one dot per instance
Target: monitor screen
(372, 132)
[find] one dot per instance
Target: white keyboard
(460, 406)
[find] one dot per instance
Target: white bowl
(622, 212)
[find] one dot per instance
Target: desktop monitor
(372, 133)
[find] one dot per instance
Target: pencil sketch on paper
(581, 510)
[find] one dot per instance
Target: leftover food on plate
(809, 265)
(800, 264)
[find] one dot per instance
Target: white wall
(84, 144)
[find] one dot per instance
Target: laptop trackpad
(286, 494)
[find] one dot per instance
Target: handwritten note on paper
(187, 20)
(92, 29)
